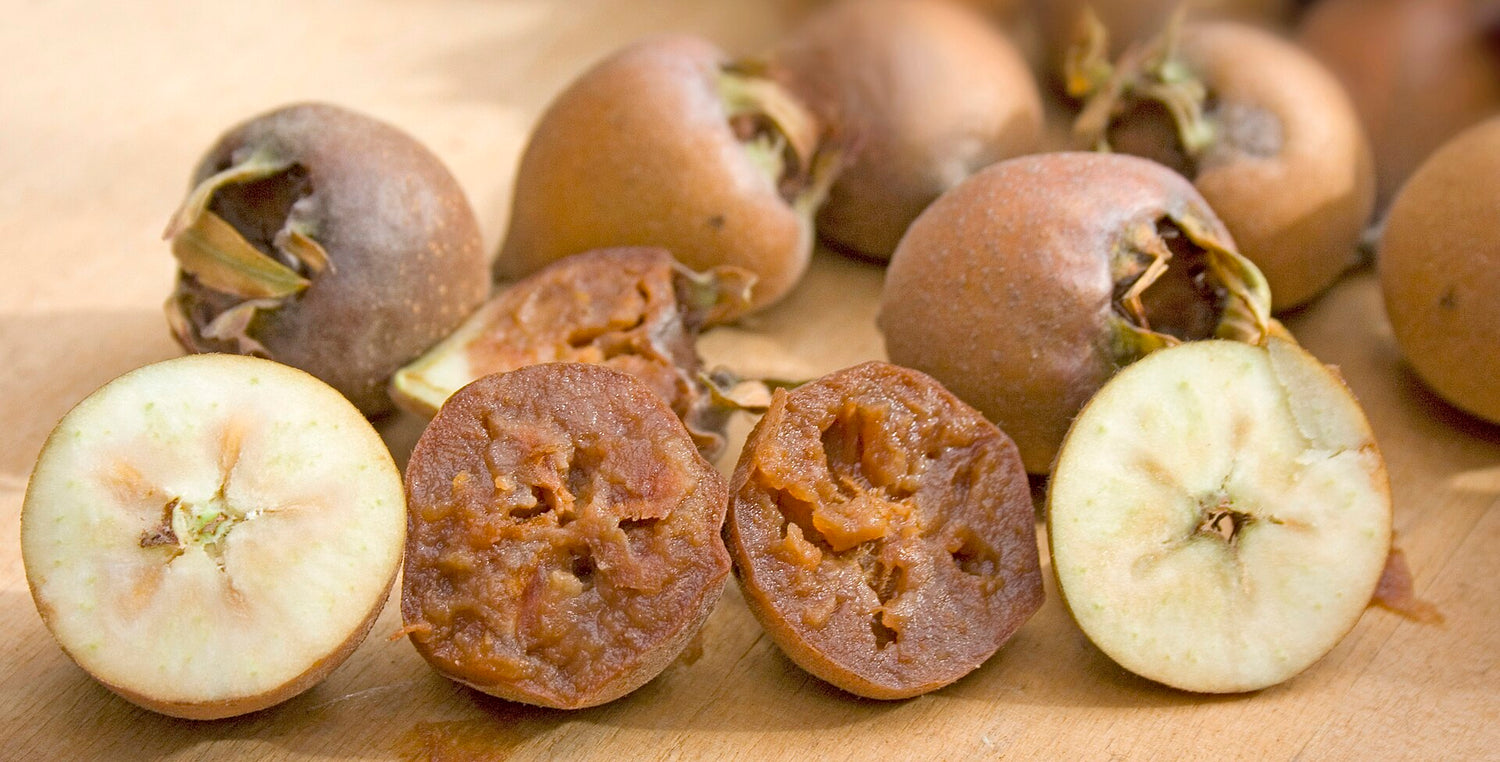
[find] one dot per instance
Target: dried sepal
(722, 394)
(1247, 306)
(1086, 66)
(233, 326)
(784, 136)
(257, 166)
(713, 297)
(728, 390)
(1153, 72)
(214, 253)
(747, 91)
(300, 244)
(1244, 311)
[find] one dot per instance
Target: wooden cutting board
(105, 108)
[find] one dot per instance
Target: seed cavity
(1222, 521)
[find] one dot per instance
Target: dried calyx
(781, 135)
(716, 296)
(706, 299)
(1175, 281)
(732, 392)
(1149, 74)
(247, 253)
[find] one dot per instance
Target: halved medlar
(634, 309)
(562, 536)
(882, 531)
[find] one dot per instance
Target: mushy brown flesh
(563, 536)
(883, 531)
(634, 309)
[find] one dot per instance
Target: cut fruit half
(211, 535)
(1219, 515)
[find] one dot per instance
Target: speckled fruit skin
(1297, 212)
(917, 95)
(639, 151)
(1002, 289)
(407, 262)
(1418, 72)
(1439, 268)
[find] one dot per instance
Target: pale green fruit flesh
(210, 529)
(423, 386)
(1219, 515)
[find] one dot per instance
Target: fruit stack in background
(1091, 217)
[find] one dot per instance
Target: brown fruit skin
(1418, 72)
(918, 95)
(407, 262)
(639, 151)
(1129, 21)
(496, 525)
(1297, 212)
(1002, 289)
(932, 464)
(1439, 269)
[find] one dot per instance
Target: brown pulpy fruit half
(668, 143)
(563, 536)
(326, 240)
(915, 95)
(1418, 72)
(1026, 287)
(882, 532)
(1440, 271)
(1265, 133)
(632, 309)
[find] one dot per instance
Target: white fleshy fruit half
(212, 534)
(1219, 515)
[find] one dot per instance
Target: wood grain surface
(105, 108)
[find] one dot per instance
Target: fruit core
(1222, 521)
(185, 524)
